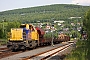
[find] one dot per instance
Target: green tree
(86, 24)
(12, 25)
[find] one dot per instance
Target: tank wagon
(29, 36)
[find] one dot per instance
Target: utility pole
(52, 30)
(3, 26)
(52, 39)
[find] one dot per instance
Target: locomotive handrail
(24, 35)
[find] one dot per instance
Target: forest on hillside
(44, 13)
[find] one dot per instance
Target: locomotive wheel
(34, 44)
(23, 47)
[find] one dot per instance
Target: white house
(59, 21)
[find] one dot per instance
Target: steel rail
(47, 54)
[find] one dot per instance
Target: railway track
(5, 52)
(3, 49)
(48, 54)
(40, 56)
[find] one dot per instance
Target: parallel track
(47, 54)
(7, 52)
(3, 49)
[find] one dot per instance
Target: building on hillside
(59, 21)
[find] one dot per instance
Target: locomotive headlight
(25, 41)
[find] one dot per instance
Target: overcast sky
(15, 4)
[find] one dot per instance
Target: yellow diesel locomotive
(27, 36)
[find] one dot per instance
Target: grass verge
(80, 52)
(3, 41)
